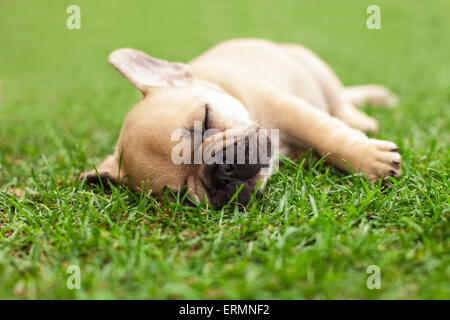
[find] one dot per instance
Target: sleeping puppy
(254, 91)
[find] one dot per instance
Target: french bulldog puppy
(234, 88)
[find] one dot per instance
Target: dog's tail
(373, 94)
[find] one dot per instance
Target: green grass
(312, 234)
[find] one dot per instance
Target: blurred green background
(62, 105)
(43, 64)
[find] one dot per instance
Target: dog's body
(243, 83)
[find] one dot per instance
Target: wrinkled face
(184, 135)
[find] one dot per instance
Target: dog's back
(266, 60)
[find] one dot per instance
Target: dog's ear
(108, 170)
(146, 72)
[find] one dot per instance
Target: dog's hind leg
(376, 95)
(355, 96)
(356, 118)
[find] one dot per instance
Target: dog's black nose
(225, 174)
(247, 159)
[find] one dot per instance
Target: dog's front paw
(380, 159)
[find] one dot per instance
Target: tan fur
(245, 82)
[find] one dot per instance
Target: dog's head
(184, 134)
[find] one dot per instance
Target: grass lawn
(313, 233)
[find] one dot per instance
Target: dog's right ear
(146, 72)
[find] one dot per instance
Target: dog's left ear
(108, 170)
(146, 72)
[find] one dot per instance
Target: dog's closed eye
(201, 125)
(206, 118)
(208, 126)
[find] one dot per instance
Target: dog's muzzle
(241, 164)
